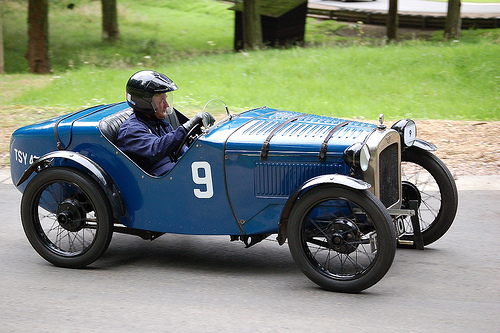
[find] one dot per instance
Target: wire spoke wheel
(342, 239)
(427, 180)
(69, 229)
(337, 245)
(66, 217)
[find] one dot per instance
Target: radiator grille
(389, 175)
(281, 179)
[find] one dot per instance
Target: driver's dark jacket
(151, 143)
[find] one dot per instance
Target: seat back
(110, 125)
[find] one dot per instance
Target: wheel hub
(71, 215)
(343, 236)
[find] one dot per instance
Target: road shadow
(198, 253)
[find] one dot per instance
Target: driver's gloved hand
(202, 118)
(197, 119)
(208, 119)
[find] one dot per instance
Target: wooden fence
(405, 20)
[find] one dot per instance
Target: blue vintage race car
(343, 193)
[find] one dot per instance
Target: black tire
(66, 217)
(341, 238)
(426, 179)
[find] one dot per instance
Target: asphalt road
(207, 284)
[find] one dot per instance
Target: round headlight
(364, 158)
(357, 156)
(407, 130)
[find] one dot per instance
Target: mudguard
(323, 180)
(61, 158)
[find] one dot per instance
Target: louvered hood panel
(289, 132)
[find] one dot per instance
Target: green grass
(425, 82)
(153, 32)
(191, 41)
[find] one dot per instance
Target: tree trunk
(1, 47)
(110, 30)
(392, 21)
(38, 36)
(452, 28)
(252, 29)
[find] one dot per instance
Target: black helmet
(143, 85)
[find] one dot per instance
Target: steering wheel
(207, 121)
(191, 136)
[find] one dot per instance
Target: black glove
(197, 119)
(208, 119)
(202, 118)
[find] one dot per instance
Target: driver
(146, 137)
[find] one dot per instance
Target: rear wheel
(66, 217)
(342, 239)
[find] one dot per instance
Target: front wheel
(66, 217)
(427, 180)
(341, 238)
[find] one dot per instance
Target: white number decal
(202, 175)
